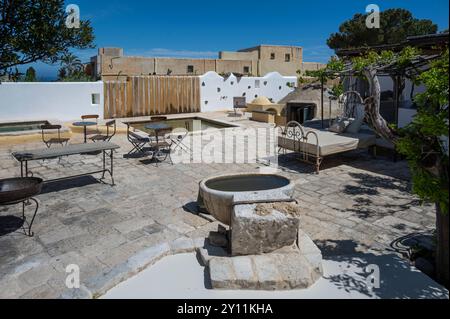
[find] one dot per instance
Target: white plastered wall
(216, 92)
(49, 100)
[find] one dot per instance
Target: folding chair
(50, 129)
(109, 135)
(136, 140)
(177, 140)
(162, 144)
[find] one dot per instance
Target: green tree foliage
(70, 64)
(30, 75)
(72, 70)
(395, 26)
(35, 30)
(423, 142)
(15, 75)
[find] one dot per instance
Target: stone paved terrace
(357, 205)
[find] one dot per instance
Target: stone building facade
(112, 64)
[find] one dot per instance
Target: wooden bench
(74, 149)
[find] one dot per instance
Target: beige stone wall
(111, 64)
(180, 66)
(235, 55)
(272, 59)
(269, 64)
(312, 66)
(238, 66)
(110, 51)
(230, 61)
(115, 66)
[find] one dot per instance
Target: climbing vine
(423, 142)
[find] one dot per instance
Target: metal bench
(106, 148)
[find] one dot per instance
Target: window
(190, 69)
(246, 69)
(272, 56)
(287, 57)
(95, 97)
(257, 84)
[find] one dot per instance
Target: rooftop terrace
(357, 206)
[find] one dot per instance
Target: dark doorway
(300, 112)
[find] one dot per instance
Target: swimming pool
(21, 127)
(191, 124)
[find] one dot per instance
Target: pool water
(190, 124)
(22, 126)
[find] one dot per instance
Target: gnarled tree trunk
(372, 103)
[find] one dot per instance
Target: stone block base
(263, 228)
(264, 272)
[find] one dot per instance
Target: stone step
(275, 271)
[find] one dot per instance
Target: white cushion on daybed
(329, 143)
(355, 126)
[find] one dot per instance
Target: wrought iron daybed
(313, 145)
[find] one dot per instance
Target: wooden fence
(151, 95)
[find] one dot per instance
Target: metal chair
(136, 140)
(177, 138)
(93, 117)
(109, 135)
(162, 144)
(50, 129)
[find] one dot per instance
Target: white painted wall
(49, 100)
(405, 116)
(68, 101)
(216, 92)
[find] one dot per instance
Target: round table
(157, 127)
(85, 125)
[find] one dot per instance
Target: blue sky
(202, 28)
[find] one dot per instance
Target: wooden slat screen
(151, 95)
